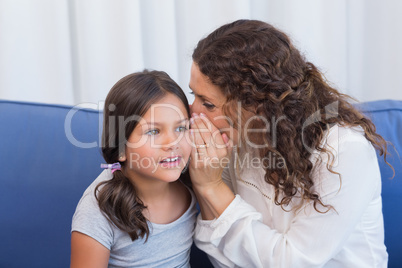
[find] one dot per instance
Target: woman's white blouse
(254, 232)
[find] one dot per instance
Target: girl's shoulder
(88, 200)
(104, 176)
(89, 219)
(89, 194)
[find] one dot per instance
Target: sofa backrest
(43, 175)
(387, 117)
(49, 154)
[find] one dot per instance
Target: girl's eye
(191, 92)
(182, 129)
(152, 132)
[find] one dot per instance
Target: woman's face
(209, 100)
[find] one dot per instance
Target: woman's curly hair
(255, 64)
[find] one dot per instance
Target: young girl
(137, 213)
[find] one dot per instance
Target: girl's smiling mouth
(170, 162)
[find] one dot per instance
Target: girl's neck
(165, 201)
(150, 190)
(153, 191)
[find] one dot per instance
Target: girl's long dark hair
(128, 100)
(255, 64)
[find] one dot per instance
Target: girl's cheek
(185, 143)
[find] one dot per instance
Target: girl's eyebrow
(177, 122)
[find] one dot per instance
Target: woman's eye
(152, 132)
(182, 129)
(209, 106)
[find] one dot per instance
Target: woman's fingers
(201, 139)
(198, 129)
(208, 143)
(209, 152)
(210, 134)
(202, 129)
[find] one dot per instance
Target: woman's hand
(210, 154)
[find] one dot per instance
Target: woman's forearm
(213, 199)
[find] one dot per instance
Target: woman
(302, 185)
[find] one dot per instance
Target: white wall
(71, 52)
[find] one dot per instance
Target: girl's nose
(171, 142)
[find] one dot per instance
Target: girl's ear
(122, 158)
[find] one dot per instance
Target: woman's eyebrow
(198, 95)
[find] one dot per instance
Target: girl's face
(208, 99)
(159, 147)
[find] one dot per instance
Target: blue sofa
(45, 165)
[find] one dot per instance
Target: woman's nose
(194, 108)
